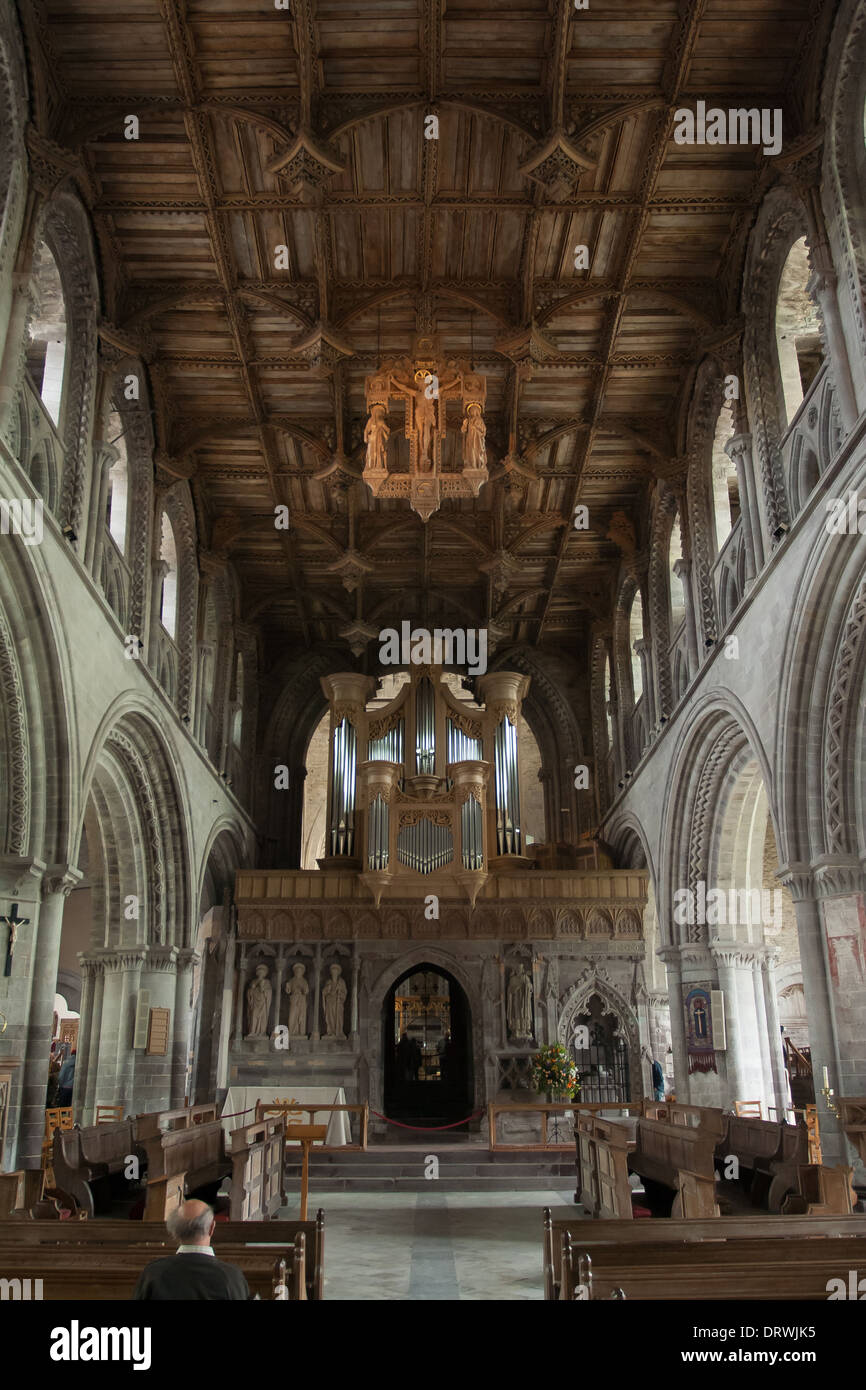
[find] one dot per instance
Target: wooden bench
(155, 1122)
(771, 1152)
(852, 1118)
(82, 1160)
(181, 1162)
(78, 1271)
(675, 1160)
(109, 1233)
(638, 1243)
(603, 1149)
(258, 1155)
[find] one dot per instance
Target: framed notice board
(157, 1032)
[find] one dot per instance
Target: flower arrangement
(554, 1072)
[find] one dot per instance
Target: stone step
(543, 1183)
(415, 1170)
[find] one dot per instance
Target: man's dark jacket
(191, 1276)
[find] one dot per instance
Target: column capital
(798, 879)
(104, 455)
(838, 875)
(734, 954)
(60, 878)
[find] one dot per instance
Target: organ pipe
(462, 748)
(377, 834)
(343, 790)
(425, 728)
(425, 847)
(388, 748)
(508, 836)
(471, 825)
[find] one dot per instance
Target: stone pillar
(56, 887)
(222, 1066)
(353, 1017)
(239, 997)
(642, 647)
(186, 961)
(820, 1004)
(739, 448)
(765, 1042)
(159, 571)
(774, 1030)
(86, 1031)
(683, 571)
(276, 1001)
(95, 1031)
(317, 993)
(726, 957)
(104, 457)
(822, 287)
(673, 965)
(15, 343)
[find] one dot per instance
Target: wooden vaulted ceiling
(408, 232)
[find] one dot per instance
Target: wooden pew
(603, 1149)
(662, 1151)
(109, 1272)
(181, 1161)
(258, 1155)
(155, 1122)
(114, 1233)
(630, 1237)
(772, 1152)
(83, 1159)
(822, 1191)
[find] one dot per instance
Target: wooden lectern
(306, 1136)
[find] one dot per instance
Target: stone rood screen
(426, 785)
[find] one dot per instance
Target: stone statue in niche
(259, 994)
(475, 431)
(298, 991)
(376, 435)
(333, 1003)
(519, 1005)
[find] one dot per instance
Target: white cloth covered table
(245, 1097)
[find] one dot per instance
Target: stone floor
(435, 1245)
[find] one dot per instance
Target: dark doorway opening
(602, 1065)
(427, 1048)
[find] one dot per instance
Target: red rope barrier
(233, 1116)
(427, 1129)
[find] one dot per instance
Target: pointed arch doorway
(427, 1047)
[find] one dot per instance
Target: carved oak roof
(262, 128)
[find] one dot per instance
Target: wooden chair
(750, 1109)
(105, 1114)
(59, 1117)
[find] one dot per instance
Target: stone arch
(630, 591)
(822, 693)
(136, 419)
(706, 403)
(388, 976)
(605, 746)
(64, 225)
(137, 805)
(38, 767)
(594, 982)
(177, 504)
(844, 171)
(718, 741)
(781, 221)
(664, 513)
(555, 727)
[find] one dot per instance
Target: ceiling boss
(425, 382)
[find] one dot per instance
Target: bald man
(193, 1272)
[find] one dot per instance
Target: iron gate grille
(602, 1067)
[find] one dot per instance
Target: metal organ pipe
(462, 748)
(508, 834)
(425, 727)
(425, 846)
(471, 825)
(388, 748)
(343, 790)
(377, 834)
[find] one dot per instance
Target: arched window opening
(208, 731)
(678, 593)
(798, 336)
(726, 489)
(531, 788)
(316, 795)
(635, 635)
(118, 483)
(238, 715)
(46, 346)
(168, 597)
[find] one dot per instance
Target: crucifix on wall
(9, 926)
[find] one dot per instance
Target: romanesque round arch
(844, 184)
